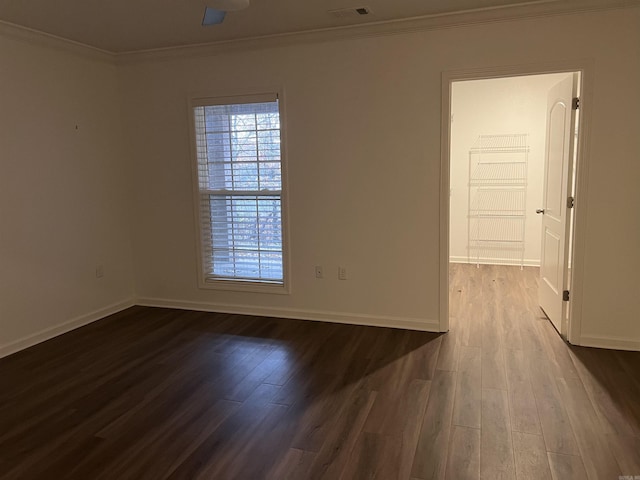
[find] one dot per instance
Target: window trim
(240, 285)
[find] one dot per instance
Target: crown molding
(46, 40)
(529, 10)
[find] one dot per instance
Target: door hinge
(575, 104)
(571, 202)
(565, 296)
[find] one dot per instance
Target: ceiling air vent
(350, 12)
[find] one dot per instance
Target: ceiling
(120, 26)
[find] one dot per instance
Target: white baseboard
(65, 327)
(406, 323)
(495, 261)
(615, 343)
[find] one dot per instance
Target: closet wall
(495, 107)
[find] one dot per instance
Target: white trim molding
(525, 10)
(485, 15)
(530, 262)
(615, 343)
(407, 323)
(46, 40)
(51, 332)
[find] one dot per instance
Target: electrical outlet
(342, 273)
(319, 273)
(99, 271)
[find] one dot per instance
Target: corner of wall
(51, 332)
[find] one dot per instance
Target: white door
(555, 211)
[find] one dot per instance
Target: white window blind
(240, 190)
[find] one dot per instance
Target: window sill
(244, 286)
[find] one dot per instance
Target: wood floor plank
(293, 465)
(493, 365)
(474, 283)
(393, 400)
(598, 459)
(396, 397)
(467, 404)
(412, 424)
(263, 445)
(510, 329)
(472, 315)
(332, 458)
(530, 457)
(557, 431)
(496, 447)
(370, 454)
(431, 452)
(269, 361)
(83, 422)
(174, 387)
(175, 450)
(448, 355)
(629, 362)
(306, 350)
(458, 279)
(532, 342)
(320, 418)
(493, 368)
(459, 322)
(464, 454)
(233, 433)
(627, 375)
(566, 467)
(626, 449)
(113, 454)
(558, 351)
(610, 390)
(522, 404)
(424, 356)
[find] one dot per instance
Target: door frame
(585, 68)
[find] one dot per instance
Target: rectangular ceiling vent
(350, 12)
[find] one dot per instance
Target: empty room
(250, 239)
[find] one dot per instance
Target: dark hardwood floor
(166, 394)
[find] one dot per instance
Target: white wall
(356, 179)
(63, 193)
(495, 107)
(363, 124)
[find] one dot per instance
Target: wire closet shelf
(498, 167)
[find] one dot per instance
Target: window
(239, 174)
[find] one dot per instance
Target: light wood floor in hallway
(167, 394)
(526, 404)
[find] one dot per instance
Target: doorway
(497, 129)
